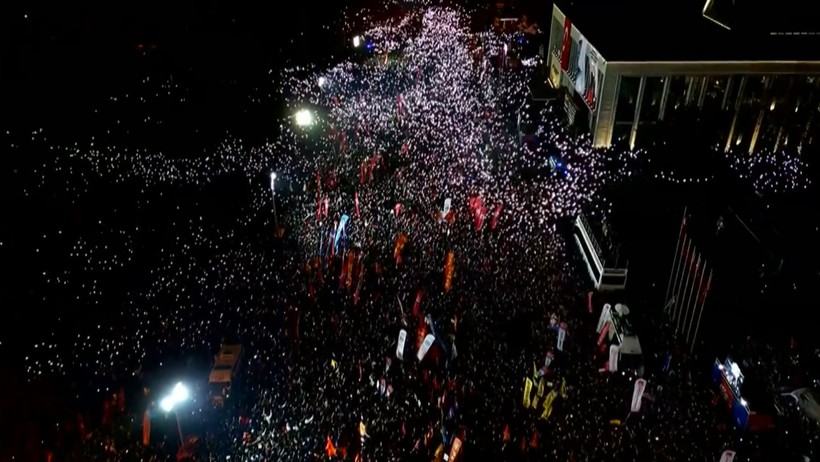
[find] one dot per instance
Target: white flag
(447, 204)
(614, 352)
(605, 317)
(637, 395)
(400, 347)
(562, 335)
(727, 456)
(425, 345)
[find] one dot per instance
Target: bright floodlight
(322, 82)
(357, 41)
(178, 395)
(304, 118)
(273, 176)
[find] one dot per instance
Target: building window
(627, 98)
(676, 100)
(651, 104)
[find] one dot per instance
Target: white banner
(425, 346)
(605, 317)
(562, 335)
(400, 347)
(727, 456)
(637, 395)
(614, 353)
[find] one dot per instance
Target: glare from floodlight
(178, 394)
(167, 404)
(304, 118)
(273, 176)
(322, 82)
(357, 41)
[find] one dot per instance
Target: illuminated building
(638, 71)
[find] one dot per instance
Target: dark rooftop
(678, 30)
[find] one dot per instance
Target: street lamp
(178, 395)
(273, 194)
(304, 118)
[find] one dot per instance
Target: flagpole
(686, 288)
(678, 277)
(700, 315)
(678, 247)
(689, 292)
(684, 280)
(695, 304)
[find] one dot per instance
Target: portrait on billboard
(587, 83)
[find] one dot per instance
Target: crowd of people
(395, 282)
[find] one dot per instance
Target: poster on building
(587, 81)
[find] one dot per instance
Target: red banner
(566, 44)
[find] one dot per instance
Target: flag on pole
(637, 395)
(727, 456)
(425, 346)
(400, 346)
(614, 353)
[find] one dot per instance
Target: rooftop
(678, 30)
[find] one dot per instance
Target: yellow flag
(333, 363)
(527, 391)
(563, 388)
(541, 387)
(548, 405)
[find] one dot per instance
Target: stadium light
(304, 118)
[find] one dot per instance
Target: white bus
(224, 371)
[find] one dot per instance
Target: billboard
(728, 378)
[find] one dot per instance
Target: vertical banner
(400, 346)
(425, 346)
(566, 44)
(727, 456)
(562, 335)
(606, 316)
(581, 72)
(614, 353)
(637, 395)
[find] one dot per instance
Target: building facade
(739, 105)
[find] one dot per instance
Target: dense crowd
(406, 201)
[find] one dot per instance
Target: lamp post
(178, 395)
(273, 195)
